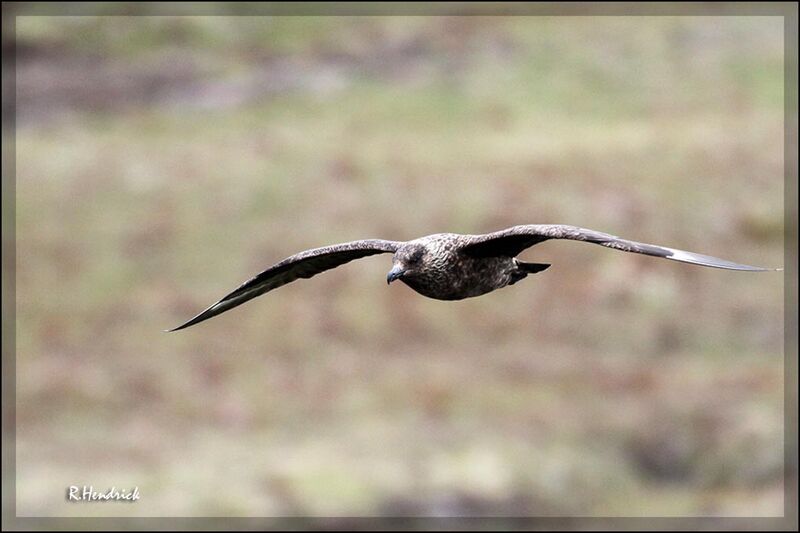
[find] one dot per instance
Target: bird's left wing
(302, 265)
(511, 241)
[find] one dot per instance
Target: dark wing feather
(302, 265)
(510, 242)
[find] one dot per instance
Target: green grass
(609, 385)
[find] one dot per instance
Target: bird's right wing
(511, 241)
(302, 265)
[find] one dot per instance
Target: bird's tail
(532, 268)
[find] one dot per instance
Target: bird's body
(448, 266)
(449, 273)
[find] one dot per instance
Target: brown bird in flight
(448, 266)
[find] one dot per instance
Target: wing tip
(204, 315)
(713, 262)
(182, 326)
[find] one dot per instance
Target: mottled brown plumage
(448, 266)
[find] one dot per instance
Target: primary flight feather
(448, 266)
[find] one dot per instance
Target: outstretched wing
(302, 265)
(511, 241)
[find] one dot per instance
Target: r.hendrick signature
(86, 493)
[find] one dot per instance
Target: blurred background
(161, 161)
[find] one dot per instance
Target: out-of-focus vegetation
(163, 160)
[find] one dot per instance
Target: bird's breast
(456, 276)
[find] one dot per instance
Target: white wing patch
(707, 260)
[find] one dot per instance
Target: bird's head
(407, 262)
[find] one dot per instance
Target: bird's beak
(396, 272)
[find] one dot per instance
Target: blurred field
(162, 161)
